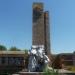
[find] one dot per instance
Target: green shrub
(71, 68)
(50, 72)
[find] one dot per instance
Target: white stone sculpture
(37, 58)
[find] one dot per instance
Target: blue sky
(16, 24)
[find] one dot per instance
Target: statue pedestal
(41, 73)
(60, 72)
(31, 73)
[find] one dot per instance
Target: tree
(3, 48)
(57, 63)
(26, 51)
(14, 49)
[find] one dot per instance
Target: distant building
(12, 61)
(41, 29)
(68, 59)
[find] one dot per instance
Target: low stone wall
(41, 73)
(31, 73)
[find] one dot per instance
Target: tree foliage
(14, 49)
(3, 48)
(26, 51)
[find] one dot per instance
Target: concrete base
(37, 73)
(60, 71)
(40, 73)
(31, 73)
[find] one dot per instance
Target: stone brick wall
(40, 28)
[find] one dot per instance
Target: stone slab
(31, 73)
(40, 73)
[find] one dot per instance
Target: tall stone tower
(41, 31)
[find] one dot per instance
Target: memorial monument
(41, 29)
(38, 58)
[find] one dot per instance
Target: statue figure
(37, 59)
